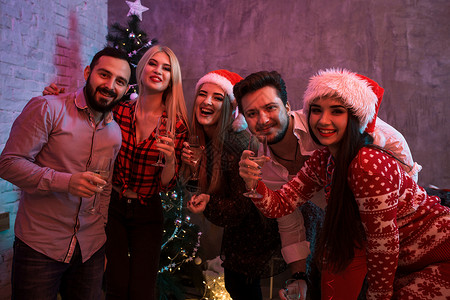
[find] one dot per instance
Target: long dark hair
(214, 184)
(342, 230)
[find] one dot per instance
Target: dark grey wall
(403, 45)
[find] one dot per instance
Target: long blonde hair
(219, 137)
(173, 97)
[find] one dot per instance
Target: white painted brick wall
(41, 41)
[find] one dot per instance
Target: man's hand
(197, 204)
(84, 184)
(52, 89)
(248, 169)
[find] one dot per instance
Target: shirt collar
(300, 123)
(301, 131)
(80, 102)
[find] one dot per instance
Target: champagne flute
(196, 156)
(257, 143)
(191, 191)
(292, 290)
(161, 130)
(101, 168)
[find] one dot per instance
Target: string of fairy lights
(215, 289)
(132, 35)
(173, 201)
(174, 264)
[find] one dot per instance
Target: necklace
(285, 159)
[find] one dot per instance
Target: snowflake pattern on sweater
(407, 231)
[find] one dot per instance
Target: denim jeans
(38, 277)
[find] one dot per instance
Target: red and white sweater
(406, 229)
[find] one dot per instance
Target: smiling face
(157, 73)
(208, 104)
(328, 119)
(266, 114)
(106, 83)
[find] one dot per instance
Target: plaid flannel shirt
(133, 167)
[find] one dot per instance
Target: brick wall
(40, 42)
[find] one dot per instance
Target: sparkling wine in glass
(103, 174)
(292, 290)
(101, 167)
(258, 145)
(161, 130)
(196, 156)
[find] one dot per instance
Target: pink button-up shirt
(53, 138)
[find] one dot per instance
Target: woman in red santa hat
(379, 223)
(249, 240)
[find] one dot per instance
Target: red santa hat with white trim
(360, 94)
(226, 80)
(223, 78)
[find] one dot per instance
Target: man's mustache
(106, 91)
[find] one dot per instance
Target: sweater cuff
(261, 189)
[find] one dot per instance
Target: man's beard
(99, 107)
(280, 134)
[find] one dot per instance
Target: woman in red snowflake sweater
(379, 224)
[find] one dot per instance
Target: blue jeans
(36, 276)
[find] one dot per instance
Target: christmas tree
(132, 40)
(181, 241)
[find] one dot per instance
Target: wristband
(299, 276)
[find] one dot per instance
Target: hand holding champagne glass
(292, 290)
(196, 155)
(101, 167)
(161, 131)
(258, 145)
